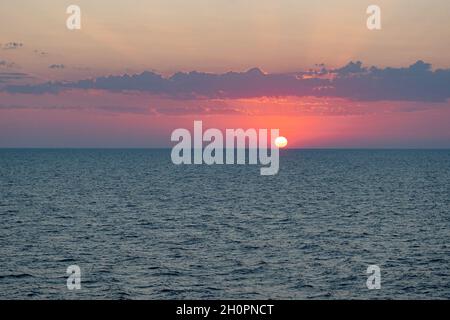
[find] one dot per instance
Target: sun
(281, 142)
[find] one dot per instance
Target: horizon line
(169, 148)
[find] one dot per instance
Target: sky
(137, 70)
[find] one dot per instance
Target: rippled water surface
(142, 228)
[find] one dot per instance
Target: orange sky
(285, 36)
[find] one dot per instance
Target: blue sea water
(140, 227)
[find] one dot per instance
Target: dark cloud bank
(417, 82)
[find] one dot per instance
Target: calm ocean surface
(142, 228)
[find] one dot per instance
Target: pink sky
(291, 62)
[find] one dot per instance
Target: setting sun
(281, 142)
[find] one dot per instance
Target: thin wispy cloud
(40, 53)
(11, 45)
(6, 77)
(56, 66)
(7, 64)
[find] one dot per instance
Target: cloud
(191, 110)
(351, 68)
(109, 109)
(49, 87)
(6, 77)
(57, 66)
(7, 64)
(11, 45)
(166, 110)
(418, 82)
(40, 53)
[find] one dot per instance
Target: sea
(140, 227)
